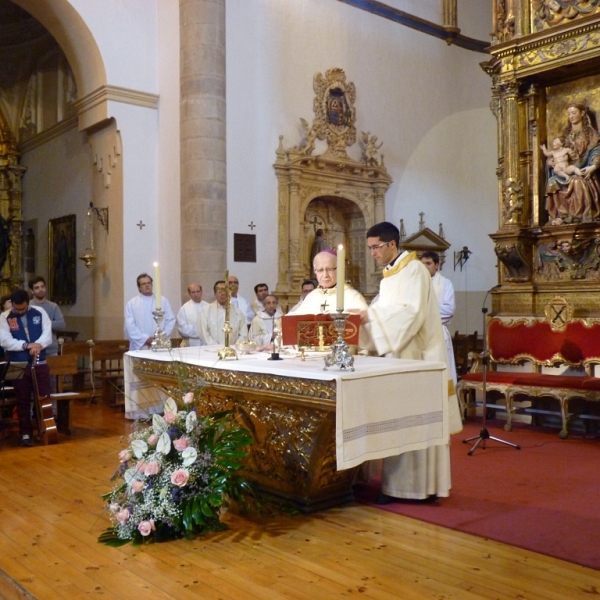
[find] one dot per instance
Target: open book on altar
(316, 330)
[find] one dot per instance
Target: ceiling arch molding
(79, 46)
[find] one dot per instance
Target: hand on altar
(267, 348)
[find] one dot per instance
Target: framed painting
(62, 284)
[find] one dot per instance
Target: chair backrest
(536, 341)
(61, 365)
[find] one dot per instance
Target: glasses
(377, 246)
(234, 283)
(325, 270)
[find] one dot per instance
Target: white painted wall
(426, 101)
(58, 182)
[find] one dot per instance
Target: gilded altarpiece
(11, 175)
(545, 70)
(329, 191)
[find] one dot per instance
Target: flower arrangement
(176, 475)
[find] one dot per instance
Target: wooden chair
(108, 366)
(62, 366)
(463, 344)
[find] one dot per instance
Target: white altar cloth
(385, 407)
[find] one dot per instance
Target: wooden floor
(51, 514)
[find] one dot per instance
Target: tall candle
(157, 294)
(341, 276)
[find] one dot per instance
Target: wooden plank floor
(51, 514)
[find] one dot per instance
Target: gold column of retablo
(227, 352)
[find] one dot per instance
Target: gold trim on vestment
(400, 264)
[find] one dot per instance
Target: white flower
(171, 405)
(159, 425)
(139, 448)
(129, 475)
(190, 421)
(189, 456)
(164, 444)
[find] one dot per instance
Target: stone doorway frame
(303, 178)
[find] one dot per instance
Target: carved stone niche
(329, 191)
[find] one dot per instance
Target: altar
(311, 428)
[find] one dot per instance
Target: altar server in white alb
(265, 323)
(444, 292)
(212, 320)
(139, 322)
(323, 299)
(404, 321)
(188, 316)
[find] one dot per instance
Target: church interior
(223, 135)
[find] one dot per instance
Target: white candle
(157, 294)
(341, 276)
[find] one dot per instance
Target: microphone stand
(484, 434)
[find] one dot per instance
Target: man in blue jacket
(25, 333)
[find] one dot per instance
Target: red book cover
(305, 330)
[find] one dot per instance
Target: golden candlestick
(227, 351)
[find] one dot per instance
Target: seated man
(25, 333)
(308, 285)
(323, 299)
(264, 323)
(212, 320)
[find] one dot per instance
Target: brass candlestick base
(340, 355)
(160, 341)
(227, 351)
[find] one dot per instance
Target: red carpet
(544, 497)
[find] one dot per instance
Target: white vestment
(444, 292)
(141, 401)
(323, 300)
(256, 306)
(212, 321)
(404, 321)
(187, 322)
(261, 330)
(244, 306)
(139, 323)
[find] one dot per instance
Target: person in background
(444, 292)
(37, 285)
(212, 320)
(188, 316)
(25, 333)
(263, 324)
(261, 290)
(308, 285)
(239, 301)
(139, 322)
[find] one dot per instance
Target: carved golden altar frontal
(292, 421)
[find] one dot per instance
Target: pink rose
(170, 417)
(125, 455)
(146, 527)
(181, 444)
(180, 477)
(151, 468)
(137, 486)
(188, 398)
(152, 440)
(123, 515)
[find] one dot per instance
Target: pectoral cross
(324, 306)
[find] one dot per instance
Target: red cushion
(569, 382)
(539, 342)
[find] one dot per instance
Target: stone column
(203, 174)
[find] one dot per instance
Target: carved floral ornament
(549, 13)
